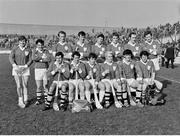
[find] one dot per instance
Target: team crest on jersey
(154, 46)
(94, 70)
(132, 66)
(119, 48)
(148, 67)
(114, 68)
(137, 48)
(85, 49)
(66, 48)
(26, 53)
(103, 49)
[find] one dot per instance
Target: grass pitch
(154, 120)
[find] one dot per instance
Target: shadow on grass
(166, 83)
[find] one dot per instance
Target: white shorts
(25, 73)
(158, 84)
(40, 74)
(133, 84)
(60, 83)
(74, 82)
(91, 83)
(156, 63)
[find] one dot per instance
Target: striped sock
(49, 100)
(63, 99)
(124, 96)
(38, 96)
(107, 97)
(119, 96)
(138, 95)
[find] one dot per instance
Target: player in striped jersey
(21, 59)
(153, 47)
(133, 46)
(63, 46)
(129, 69)
(99, 48)
(82, 46)
(63, 68)
(116, 47)
(93, 70)
(148, 73)
(42, 58)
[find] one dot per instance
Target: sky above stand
(111, 13)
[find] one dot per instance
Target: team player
(58, 68)
(99, 48)
(82, 46)
(153, 47)
(77, 75)
(129, 69)
(93, 72)
(109, 74)
(133, 46)
(21, 59)
(42, 58)
(148, 73)
(116, 47)
(63, 46)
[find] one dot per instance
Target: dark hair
(61, 32)
(40, 41)
(132, 33)
(81, 33)
(59, 54)
(145, 53)
(21, 38)
(127, 52)
(76, 53)
(92, 55)
(100, 35)
(115, 34)
(147, 32)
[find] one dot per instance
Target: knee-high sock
(49, 100)
(119, 96)
(63, 99)
(138, 95)
(107, 97)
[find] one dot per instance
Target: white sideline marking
(169, 79)
(5, 51)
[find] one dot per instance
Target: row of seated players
(105, 77)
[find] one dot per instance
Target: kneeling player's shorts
(61, 83)
(158, 84)
(40, 74)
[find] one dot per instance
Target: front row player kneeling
(60, 71)
(147, 75)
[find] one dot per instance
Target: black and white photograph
(89, 67)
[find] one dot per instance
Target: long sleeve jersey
(81, 72)
(41, 63)
(99, 50)
(113, 70)
(20, 56)
(64, 75)
(135, 48)
(63, 47)
(146, 69)
(84, 49)
(95, 69)
(129, 69)
(117, 49)
(153, 48)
